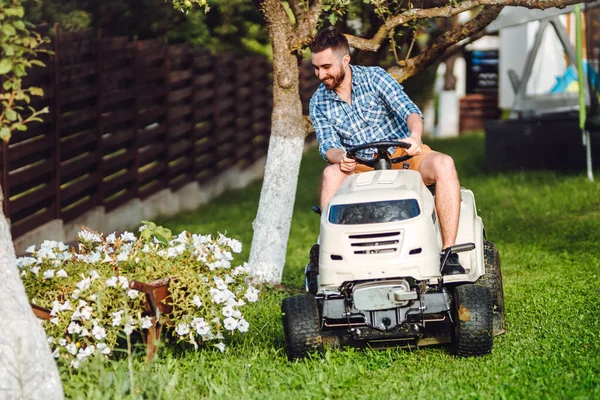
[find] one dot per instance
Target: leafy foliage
(20, 47)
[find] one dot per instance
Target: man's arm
(338, 156)
(414, 122)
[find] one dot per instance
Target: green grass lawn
(547, 228)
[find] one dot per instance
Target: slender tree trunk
(27, 368)
(288, 131)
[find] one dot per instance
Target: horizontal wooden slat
(179, 111)
(24, 149)
(77, 188)
(43, 195)
(80, 209)
(116, 163)
(118, 183)
(113, 203)
(178, 148)
(77, 167)
(30, 173)
(78, 117)
(177, 95)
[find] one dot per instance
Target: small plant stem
(130, 364)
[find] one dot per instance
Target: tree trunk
(27, 368)
(288, 131)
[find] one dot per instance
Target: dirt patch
(464, 314)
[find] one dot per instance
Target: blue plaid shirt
(378, 112)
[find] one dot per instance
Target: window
(375, 212)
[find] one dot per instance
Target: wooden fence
(130, 118)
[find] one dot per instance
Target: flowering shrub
(91, 303)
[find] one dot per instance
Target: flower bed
(91, 294)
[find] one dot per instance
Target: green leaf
(5, 133)
(21, 127)
(19, 25)
(5, 66)
(9, 49)
(7, 85)
(18, 12)
(36, 91)
(8, 30)
(10, 114)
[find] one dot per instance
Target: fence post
(136, 122)
(57, 213)
(99, 127)
(165, 155)
(6, 203)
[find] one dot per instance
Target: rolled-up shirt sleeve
(393, 94)
(326, 135)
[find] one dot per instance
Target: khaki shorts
(413, 163)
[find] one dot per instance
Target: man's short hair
(330, 38)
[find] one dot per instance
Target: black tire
(492, 279)
(314, 254)
(473, 321)
(312, 270)
(301, 326)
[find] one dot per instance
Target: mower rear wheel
(301, 326)
(492, 279)
(473, 321)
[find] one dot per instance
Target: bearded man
(355, 105)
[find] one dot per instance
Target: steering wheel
(381, 159)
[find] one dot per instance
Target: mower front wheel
(301, 326)
(473, 321)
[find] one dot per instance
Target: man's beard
(333, 82)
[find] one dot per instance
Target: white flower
(23, 262)
(197, 302)
(93, 257)
(128, 329)
(243, 325)
(220, 283)
(56, 353)
(128, 237)
(85, 353)
(50, 339)
(86, 312)
(84, 284)
(103, 348)
(251, 294)
(230, 323)
(241, 269)
(132, 293)
(62, 273)
(87, 236)
(98, 332)
(84, 333)
(124, 282)
(30, 249)
(228, 311)
(49, 273)
(35, 270)
(147, 322)
(74, 327)
(71, 348)
(237, 314)
(117, 317)
(94, 274)
(75, 363)
(217, 296)
(66, 306)
(200, 326)
(62, 342)
(75, 294)
(182, 329)
(107, 258)
(112, 281)
(54, 320)
(220, 346)
(61, 246)
(146, 249)
(92, 297)
(110, 239)
(123, 256)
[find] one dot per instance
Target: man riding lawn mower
(387, 269)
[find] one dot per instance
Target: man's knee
(437, 166)
(332, 173)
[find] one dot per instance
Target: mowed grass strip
(547, 228)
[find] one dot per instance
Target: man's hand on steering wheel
(347, 164)
(416, 146)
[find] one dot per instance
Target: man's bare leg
(332, 179)
(439, 168)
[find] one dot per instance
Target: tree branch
(306, 25)
(443, 42)
(374, 43)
